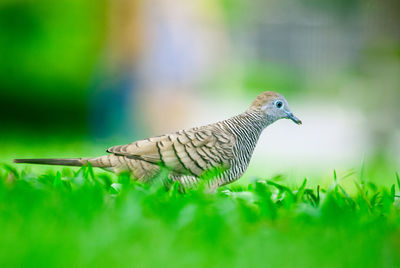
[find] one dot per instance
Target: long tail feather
(53, 161)
(102, 161)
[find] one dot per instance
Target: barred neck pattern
(246, 127)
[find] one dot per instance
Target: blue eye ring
(279, 104)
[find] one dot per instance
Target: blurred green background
(79, 76)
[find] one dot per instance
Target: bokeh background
(77, 77)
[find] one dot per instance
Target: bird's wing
(192, 151)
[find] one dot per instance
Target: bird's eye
(279, 104)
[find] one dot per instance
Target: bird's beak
(293, 118)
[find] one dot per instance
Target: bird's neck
(247, 128)
(253, 120)
(248, 125)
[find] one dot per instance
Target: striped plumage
(194, 154)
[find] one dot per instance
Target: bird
(217, 154)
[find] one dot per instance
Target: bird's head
(273, 106)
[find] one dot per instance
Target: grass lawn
(82, 218)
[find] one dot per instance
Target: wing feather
(190, 151)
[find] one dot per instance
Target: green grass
(97, 219)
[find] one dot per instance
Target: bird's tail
(102, 161)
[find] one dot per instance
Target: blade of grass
(300, 192)
(363, 195)
(393, 192)
(362, 172)
(57, 183)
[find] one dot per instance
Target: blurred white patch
(330, 137)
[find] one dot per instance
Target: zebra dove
(188, 155)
